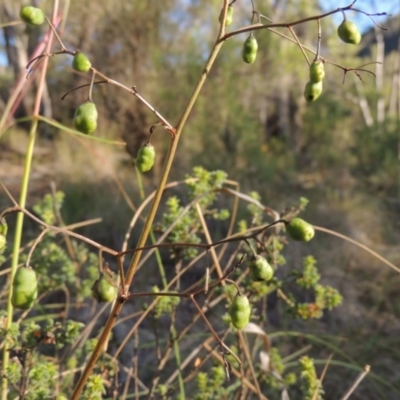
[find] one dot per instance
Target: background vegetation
(341, 153)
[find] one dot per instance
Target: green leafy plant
(312, 388)
(198, 226)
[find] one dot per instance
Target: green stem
(152, 237)
(168, 163)
(16, 247)
(165, 285)
(152, 213)
(177, 353)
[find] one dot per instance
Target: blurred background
(341, 152)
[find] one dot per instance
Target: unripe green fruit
(81, 63)
(61, 397)
(260, 269)
(145, 157)
(85, 119)
(298, 229)
(24, 292)
(3, 241)
(229, 16)
(32, 15)
(312, 91)
(3, 232)
(240, 311)
(317, 71)
(3, 227)
(349, 32)
(104, 291)
(250, 47)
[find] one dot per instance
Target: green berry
(145, 157)
(24, 291)
(317, 71)
(32, 15)
(250, 47)
(81, 63)
(229, 16)
(3, 241)
(349, 32)
(298, 229)
(104, 291)
(312, 90)
(260, 269)
(85, 119)
(3, 227)
(240, 311)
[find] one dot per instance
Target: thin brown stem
(134, 92)
(319, 39)
(209, 241)
(63, 230)
(283, 24)
(91, 85)
(381, 14)
(320, 380)
(245, 381)
(362, 246)
(234, 284)
(55, 33)
(357, 382)
(249, 362)
(207, 246)
(217, 338)
(299, 44)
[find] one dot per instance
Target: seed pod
(3, 232)
(240, 311)
(317, 71)
(145, 157)
(229, 16)
(32, 15)
(3, 241)
(103, 290)
(85, 119)
(349, 33)
(312, 91)
(81, 63)
(260, 269)
(249, 52)
(298, 229)
(24, 291)
(3, 227)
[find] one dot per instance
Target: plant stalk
(150, 218)
(23, 197)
